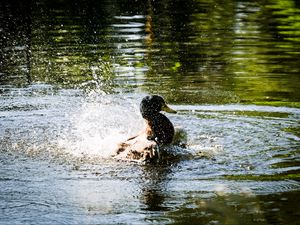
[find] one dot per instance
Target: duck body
(159, 131)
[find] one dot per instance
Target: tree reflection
(15, 43)
(191, 51)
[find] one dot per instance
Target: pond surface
(72, 74)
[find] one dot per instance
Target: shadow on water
(72, 74)
(153, 186)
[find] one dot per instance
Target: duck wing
(137, 148)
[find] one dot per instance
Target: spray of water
(99, 125)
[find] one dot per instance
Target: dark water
(72, 74)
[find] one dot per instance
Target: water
(71, 79)
(55, 166)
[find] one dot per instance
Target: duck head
(152, 105)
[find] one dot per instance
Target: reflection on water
(204, 51)
(72, 74)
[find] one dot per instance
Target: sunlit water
(55, 167)
(72, 75)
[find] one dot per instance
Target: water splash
(42, 121)
(99, 125)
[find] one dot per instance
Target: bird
(159, 132)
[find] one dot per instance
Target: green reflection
(294, 130)
(243, 208)
(221, 209)
(288, 17)
(293, 175)
(192, 52)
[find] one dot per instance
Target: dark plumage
(159, 131)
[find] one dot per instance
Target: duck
(158, 132)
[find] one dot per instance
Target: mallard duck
(159, 132)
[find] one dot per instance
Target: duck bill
(167, 109)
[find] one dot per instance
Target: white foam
(97, 128)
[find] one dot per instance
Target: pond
(72, 75)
